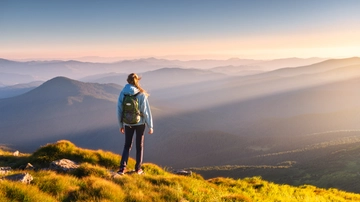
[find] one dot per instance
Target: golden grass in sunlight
(93, 182)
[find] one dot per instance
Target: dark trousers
(129, 133)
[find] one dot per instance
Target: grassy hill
(93, 181)
(323, 163)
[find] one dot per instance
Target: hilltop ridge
(93, 181)
(60, 87)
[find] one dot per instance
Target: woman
(132, 88)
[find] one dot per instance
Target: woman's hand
(151, 131)
(122, 130)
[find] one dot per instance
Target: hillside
(163, 78)
(60, 107)
(317, 67)
(326, 160)
(18, 89)
(244, 88)
(93, 181)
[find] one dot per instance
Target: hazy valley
(290, 124)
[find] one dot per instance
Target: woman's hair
(134, 79)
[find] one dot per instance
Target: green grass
(8, 160)
(66, 149)
(93, 181)
(14, 191)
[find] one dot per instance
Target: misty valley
(293, 121)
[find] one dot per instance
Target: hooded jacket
(144, 106)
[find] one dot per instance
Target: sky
(179, 29)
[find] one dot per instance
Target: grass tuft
(14, 191)
(59, 186)
(98, 189)
(235, 198)
(86, 170)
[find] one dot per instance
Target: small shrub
(235, 198)
(86, 170)
(59, 186)
(51, 152)
(197, 176)
(98, 189)
(153, 169)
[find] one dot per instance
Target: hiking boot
(140, 171)
(121, 171)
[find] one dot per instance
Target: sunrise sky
(183, 29)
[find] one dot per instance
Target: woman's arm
(146, 111)
(119, 109)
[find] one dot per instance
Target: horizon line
(104, 59)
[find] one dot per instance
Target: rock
(22, 177)
(28, 166)
(16, 153)
(4, 170)
(114, 174)
(182, 172)
(63, 165)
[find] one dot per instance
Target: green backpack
(131, 113)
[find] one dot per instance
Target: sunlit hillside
(94, 180)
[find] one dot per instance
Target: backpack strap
(132, 95)
(135, 95)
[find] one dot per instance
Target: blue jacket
(143, 105)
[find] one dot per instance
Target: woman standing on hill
(133, 88)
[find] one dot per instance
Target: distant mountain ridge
(317, 67)
(12, 78)
(60, 87)
(18, 89)
(164, 77)
(45, 70)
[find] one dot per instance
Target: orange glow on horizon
(329, 45)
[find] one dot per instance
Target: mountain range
(15, 72)
(204, 118)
